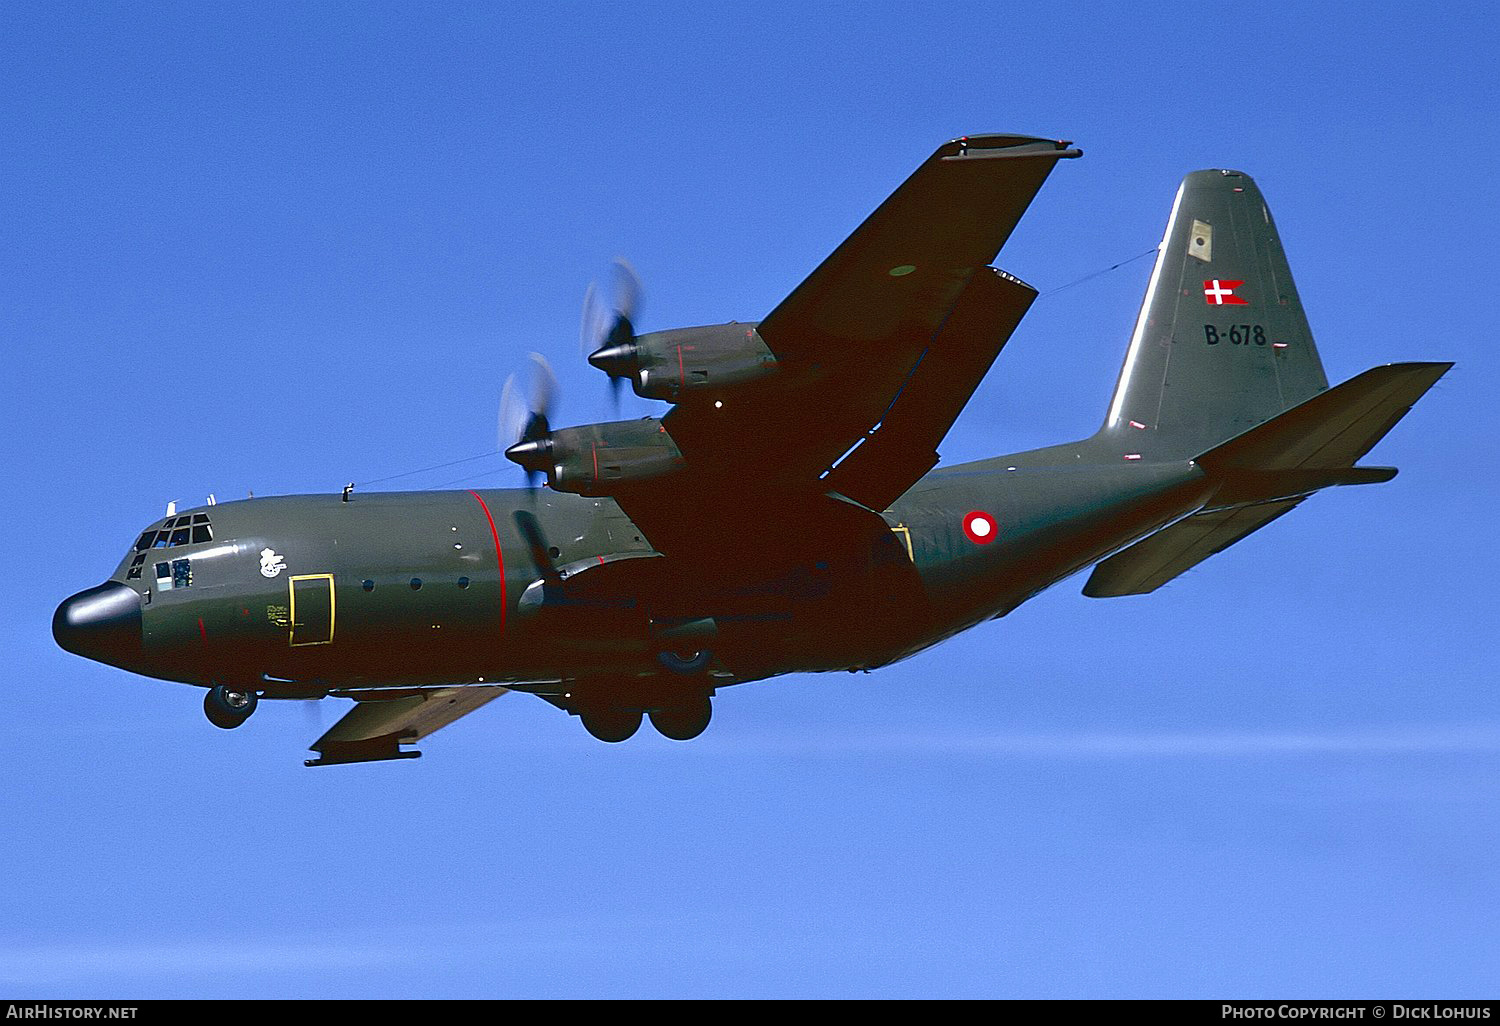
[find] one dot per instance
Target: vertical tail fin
(1221, 343)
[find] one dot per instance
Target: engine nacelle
(601, 459)
(678, 364)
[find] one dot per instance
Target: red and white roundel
(980, 527)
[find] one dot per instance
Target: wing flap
(1155, 560)
(381, 721)
(903, 445)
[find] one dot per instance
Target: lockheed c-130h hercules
(784, 516)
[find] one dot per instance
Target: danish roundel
(980, 527)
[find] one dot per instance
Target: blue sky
(280, 247)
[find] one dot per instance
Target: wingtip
(987, 143)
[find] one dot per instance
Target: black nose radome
(103, 624)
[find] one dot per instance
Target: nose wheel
(228, 707)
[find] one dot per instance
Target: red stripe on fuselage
(499, 556)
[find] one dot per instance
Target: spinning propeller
(525, 431)
(607, 339)
(606, 333)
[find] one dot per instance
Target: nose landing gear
(228, 707)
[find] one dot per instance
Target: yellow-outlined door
(905, 533)
(311, 609)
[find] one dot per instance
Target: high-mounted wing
(879, 348)
(901, 271)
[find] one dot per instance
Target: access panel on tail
(1221, 343)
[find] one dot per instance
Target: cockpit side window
(175, 574)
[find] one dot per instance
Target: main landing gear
(684, 719)
(611, 724)
(679, 717)
(228, 707)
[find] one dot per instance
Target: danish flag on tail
(1217, 292)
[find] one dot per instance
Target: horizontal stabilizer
(1266, 471)
(1332, 429)
(1153, 561)
(382, 721)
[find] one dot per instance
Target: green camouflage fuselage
(427, 587)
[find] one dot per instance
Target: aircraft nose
(102, 623)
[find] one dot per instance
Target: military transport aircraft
(784, 516)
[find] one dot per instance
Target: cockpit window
(174, 531)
